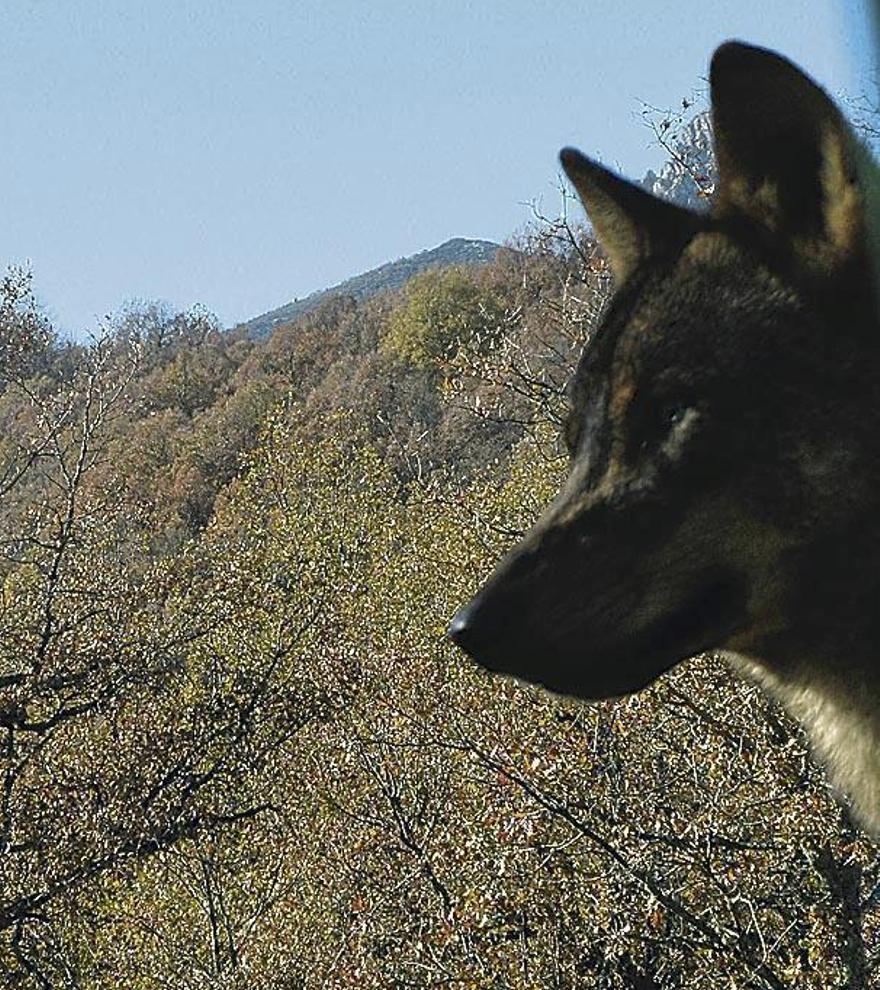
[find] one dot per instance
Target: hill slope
(391, 275)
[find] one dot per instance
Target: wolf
(724, 433)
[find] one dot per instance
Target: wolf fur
(724, 491)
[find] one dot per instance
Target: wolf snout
(468, 631)
(480, 631)
(460, 628)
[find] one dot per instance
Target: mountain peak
(391, 275)
(690, 175)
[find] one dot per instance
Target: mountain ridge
(388, 276)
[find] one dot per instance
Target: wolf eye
(667, 424)
(674, 414)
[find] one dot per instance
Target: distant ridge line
(389, 276)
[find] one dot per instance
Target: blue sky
(238, 154)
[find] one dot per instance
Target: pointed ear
(631, 224)
(786, 158)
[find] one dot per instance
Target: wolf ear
(786, 158)
(631, 224)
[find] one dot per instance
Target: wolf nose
(460, 627)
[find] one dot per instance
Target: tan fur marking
(620, 237)
(844, 210)
(621, 397)
(761, 203)
(622, 394)
(711, 248)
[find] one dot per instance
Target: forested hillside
(237, 751)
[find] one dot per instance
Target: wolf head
(722, 428)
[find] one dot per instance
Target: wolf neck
(822, 666)
(842, 721)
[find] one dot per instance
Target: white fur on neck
(843, 727)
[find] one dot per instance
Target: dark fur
(725, 437)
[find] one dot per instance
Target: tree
(442, 310)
